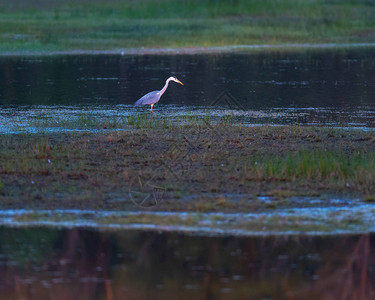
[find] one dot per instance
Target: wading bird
(153, 97)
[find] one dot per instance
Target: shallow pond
(318, 87)
(88, 264)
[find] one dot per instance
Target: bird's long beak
(179, 81)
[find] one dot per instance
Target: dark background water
(338, 79)
(38, 263)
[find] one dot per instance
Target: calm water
(330, 88)
(324, 87)
(84, 264)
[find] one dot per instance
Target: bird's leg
(152, 112)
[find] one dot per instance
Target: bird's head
(175, 80)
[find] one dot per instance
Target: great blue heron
(153, 97)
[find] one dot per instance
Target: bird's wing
(150, 98)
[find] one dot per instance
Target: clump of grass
(369, 198)
(115, 122)
(147, 122)
(86, 121)
(42, 148)
(281, 193)
(320, 165)
(194, 120)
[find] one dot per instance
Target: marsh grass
(201, 167)
(65, 25)
(334, 166)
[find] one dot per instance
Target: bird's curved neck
(165, 87)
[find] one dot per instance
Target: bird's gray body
(154, 97)
(150, 98)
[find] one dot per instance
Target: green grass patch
(107, 25)
(319, 165)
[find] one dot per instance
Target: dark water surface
(85, 264)
(327, 87)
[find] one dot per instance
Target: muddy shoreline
(193, 171)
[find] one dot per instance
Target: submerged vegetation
(141, 121)
(108, 25)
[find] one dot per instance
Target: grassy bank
(200, 168)
(106, 25)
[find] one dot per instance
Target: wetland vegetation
(192, 167)
(44, 26)
(194, 175)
